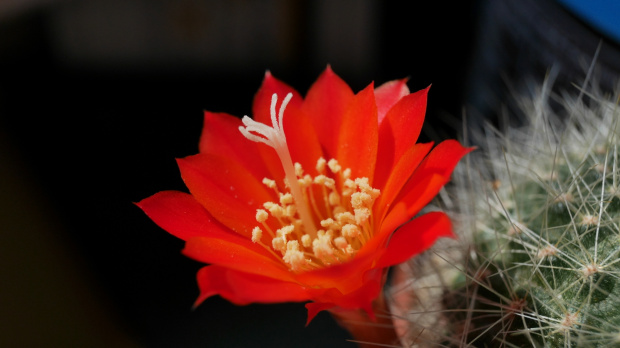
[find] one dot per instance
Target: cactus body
(537, 263)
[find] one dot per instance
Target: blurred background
(98, 98)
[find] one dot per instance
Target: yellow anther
(274, 209)
(334, 166)
(322, 247)
(350, 231)
(305, 182)
(257, 234)
(325, 181)
(286, 198)
(349, 187)
(327, 223)
(269, 183)
(292, 245)
(346, 173)
(362, 183)
(320, 179)
(320, 165)
(298, 170)
(340, 243)
(293, 256)
(306, 241)
(290, 211)
(286, 230)
(361, 215)
(278, 244)
(330, 183)
(261, 215)
(360, 200)
(345, 218)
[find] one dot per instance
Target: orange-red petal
(212, 281)
(430, 176)
(325, 104)
(359, 135)
(221, 136)
(414, 237)
(238, 253)
(398, 176)
(360, 298)
(315, 308)
(225, 189)
(180, 215)
(399, 132)
(388, 94)
(345, 277)
(243, 288)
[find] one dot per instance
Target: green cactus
(537, 262)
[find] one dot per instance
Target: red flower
(304, 202)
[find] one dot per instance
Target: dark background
(97, 99)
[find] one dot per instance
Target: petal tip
(268, 75)
(315, 308)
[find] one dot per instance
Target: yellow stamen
(320, 165)
(334, 166)
(345, 221)
(270, 183)
(257, 234)
(261, 215)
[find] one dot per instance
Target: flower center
(341, 206)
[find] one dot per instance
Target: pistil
(274, 136)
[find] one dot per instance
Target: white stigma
(274, 136)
